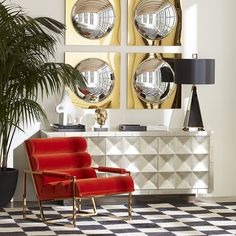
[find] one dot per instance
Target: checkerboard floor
(200, 218)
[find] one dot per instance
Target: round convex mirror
(154, 80)
(155, 19)
(93, 19)
(99, 77)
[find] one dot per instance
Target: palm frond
(26, 44)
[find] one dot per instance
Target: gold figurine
(101, 117)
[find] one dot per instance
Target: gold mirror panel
(151, 82)
(154, 22)
(154, 81)
(93, 19)
(102, 74)
(99, 77)
(93, 22)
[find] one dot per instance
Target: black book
(132, 127)
(68, 128)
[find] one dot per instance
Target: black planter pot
(8, 181)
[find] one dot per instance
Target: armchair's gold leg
(41, 211)
(80, 204)
(87, 213)
(24, 195)
(94, 206)
(129, 206)
(74, 201)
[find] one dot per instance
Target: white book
(156, 127)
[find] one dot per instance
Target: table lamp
(194, 71)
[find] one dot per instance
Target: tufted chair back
(61, 155)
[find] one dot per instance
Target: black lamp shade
(194, 71)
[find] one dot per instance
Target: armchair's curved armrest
(112, 170)
(33, 172)
(50, 174)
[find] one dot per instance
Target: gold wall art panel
(102, 74)
(93, 22)
(154, 22)
(151, 81)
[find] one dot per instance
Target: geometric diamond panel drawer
(200, 179)
(167, 145)
(148, 145)
(200, 162)
(145, 181)
(98, 161)
(133, 163)
(166, 180)
(183, 180)
(131, 145)
(183, 163)
(114, 146)
(96, 146)
(200, 145)
(183, 145)
(166, 163)
(160, 162)
(129, 162)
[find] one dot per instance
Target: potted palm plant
(26, 44)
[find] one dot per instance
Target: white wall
(217, 38)
(213, 35)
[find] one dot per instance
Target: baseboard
(139, 199)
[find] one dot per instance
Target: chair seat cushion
(105, 186)
(87, 187)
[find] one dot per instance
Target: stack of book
(132, 127)
(157, 127)
(69, 128)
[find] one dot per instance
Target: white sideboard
(161, 162)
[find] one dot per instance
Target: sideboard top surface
(173, 133)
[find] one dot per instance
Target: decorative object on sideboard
(101, 117)
(151, 82)
(157, 127)
(154, 22)
(132, 127)
(68, 128)
(194, 71)
(102, 74)
(64, 108)
(92, 22)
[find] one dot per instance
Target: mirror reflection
(99, 77)
(154, 80)
(155, 19)
(93, 19)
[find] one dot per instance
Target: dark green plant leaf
(26, 45)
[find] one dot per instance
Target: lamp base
(185, 129)
(193, 118)
(188, 129)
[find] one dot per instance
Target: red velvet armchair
(61, 169)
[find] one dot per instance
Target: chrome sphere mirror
(93, 19)
(155, 19)
(99, 77)
(154, 81)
